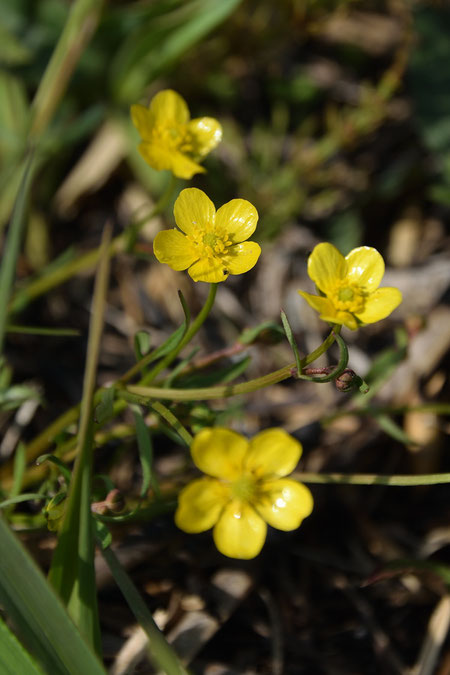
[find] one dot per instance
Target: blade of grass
(160, 652)
(78, 30)
(72, 570)
(15, 658)
(44, 625)
(12, 245)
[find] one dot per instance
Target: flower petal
(272, 452)
(172, 248)
(365, 267)
(241, 258)
(328, 312)
(284, 504)
(167, 107)
(240, 532)
(210, 270)
(141, 119)
(206, 135)
(193, 210)
(380, 304)
(161, 159)
(325, 266)
(238, 218)
(200, 504)
(219, 452)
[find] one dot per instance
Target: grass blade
(44, 624)
(72, 570)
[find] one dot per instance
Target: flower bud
(347, 381)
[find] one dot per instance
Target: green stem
(373, 479)
(140, 394)
(192, 330)
(168, 415)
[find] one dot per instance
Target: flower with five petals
(212, 245)
(244, 489)
(170, 139)
(348, 287)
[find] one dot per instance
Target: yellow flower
(170, 139)
(212, 245)
(244, 489)
(349, 286)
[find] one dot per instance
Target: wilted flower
(349, 286)
(170, 139)
(244, 489)
(212, 245)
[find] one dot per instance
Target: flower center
(347, 297)
(244, 488)
(173, 137)
(209, 242)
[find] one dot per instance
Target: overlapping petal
(206, 134)
(209, 270)
(193, 209)
(240, 258)
(171, 247)
(272, 452)
(162, 159)
(328, 311)
(240, 532)
(284, 504)
(380, 304)
(326, 265)
(219, 452)
(200, 504)
(167, 105)
(239, 218)
(365, 267)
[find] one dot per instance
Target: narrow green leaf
(105, 409)
(38, 330)
(44, 625)
(219, 375)
(142, 344)
(161, 653)
(266, 332)
(72, 571)
(25, 497)
(145, 451)
(15, 659)
(292, 342)
(13, 242)
(62, 466)
(393, 429)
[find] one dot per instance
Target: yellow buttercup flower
(170, 139)
(244, 489)
(349, 286)
(212, 245)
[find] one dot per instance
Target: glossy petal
(380, 304)
(206, 135)
(240, 532)
(172, 247)
(328, 312)
(325, 266)
(141, 119)
(162, 159)
(210, 270)
(239, 218)
(219, 452)
(193, 210)
(365, 267)
(200, 504)
(285, 504)
(272, 452)
(168, 106)
(241, 258)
